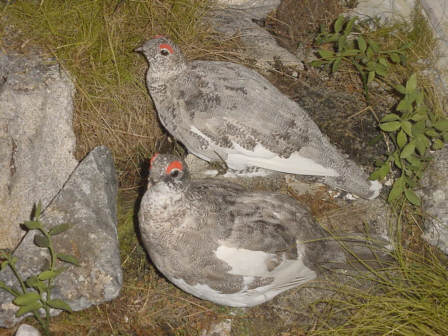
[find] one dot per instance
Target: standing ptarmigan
(221, 243)
(225, 111)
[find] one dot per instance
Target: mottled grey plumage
(217, 241)
(222, 110)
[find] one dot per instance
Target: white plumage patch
(244, 262)
(251, 264)
(239, 158)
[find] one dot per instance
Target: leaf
(408, 150)
(397, 160)
(390, 117)
(412, 197)
(407, 127)
(350, 52)
(401, 139)
(341, 43)
(405, 105)
(370, 77)
(349, 25)
(59, 229)
(411, 84)
(339, 24)
(390, 126)
(395, 58)
(33, 281)
(26, 299)
(419, 116)
(375, 47)
(422, 143)
(383, 62)
(414, 161)
(418, 128)
(400, 88)
(441, 125)
(3, 265)
(336, 63)
(41, 241)
(32, 225)
(38, 210)
(381, 172)
(397, 190)
(29, 308)
(324, 53)
(381, 70)
(403, 59)
(362, 45)
(431, 132)
(437, 144)
(68, 258)
(317, 63)
(59, 304)
(445, 137)
(47, 275)
(370, 53)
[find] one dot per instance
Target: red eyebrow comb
(167, 47)
(174, 165)
(153, 159)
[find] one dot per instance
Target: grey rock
(222, 328)
(238, 18)
(385, 10)
(88, 202)
(27, 330)
(435, 200)
(36, 138)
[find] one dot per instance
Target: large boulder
(37, 142)
(435, 201)
(239, 18)
(88, 202)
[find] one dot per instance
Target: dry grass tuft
(94, 42)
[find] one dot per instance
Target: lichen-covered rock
(435, 201)
(386, 10)
(36, 138)
(88, 202)
(238, 17)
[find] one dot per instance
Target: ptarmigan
(226, 111)
(221, 243)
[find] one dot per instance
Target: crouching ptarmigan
(225, 111)
(219, 242)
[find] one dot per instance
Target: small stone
(27, 330)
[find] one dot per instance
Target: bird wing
(250, 121)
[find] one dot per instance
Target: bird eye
(174, 173)
(164, 52)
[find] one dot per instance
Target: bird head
(164, 57)
(168, 171)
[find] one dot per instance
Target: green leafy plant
(412, 127)
(361, 52)
(35, 292)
